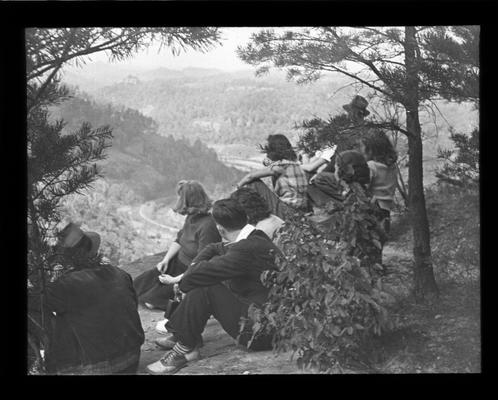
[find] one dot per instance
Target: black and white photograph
(253, 200)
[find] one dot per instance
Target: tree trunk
(424, 281)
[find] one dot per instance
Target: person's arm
(261, 173)
(218, 269)
(210, 251)
(322, 157)
(313, 165)
(173, 250)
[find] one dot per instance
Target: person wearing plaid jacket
(289, 180)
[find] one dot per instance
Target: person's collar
(244, 233)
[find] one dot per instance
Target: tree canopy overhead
(46, 49)
(447, 58)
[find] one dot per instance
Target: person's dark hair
(192, 198)
(380, 148)
(229, 214)
(278, 148)
(352, 167)
(253, 204)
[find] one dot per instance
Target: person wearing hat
(96, 327)
(357, 108)
(324, 186)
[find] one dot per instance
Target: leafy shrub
(326, 297)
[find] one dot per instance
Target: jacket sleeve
(209, 251)
(216, 270)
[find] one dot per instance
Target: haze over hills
(235, 111)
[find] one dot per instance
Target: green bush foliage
(326, 298)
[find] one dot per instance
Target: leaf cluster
(326, 297)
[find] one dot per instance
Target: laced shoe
(170, 363)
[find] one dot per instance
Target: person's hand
(312, 179)
(162, 265)
(167, 279)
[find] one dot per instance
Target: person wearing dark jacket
(222, 281)
(96, 327)
(155, 287)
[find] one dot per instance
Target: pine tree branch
(57, 67)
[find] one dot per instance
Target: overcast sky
(221, 57)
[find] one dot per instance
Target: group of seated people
(214, 264)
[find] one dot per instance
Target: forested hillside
(239, 108)
(224, 108)
(148, 163)
(234, 112)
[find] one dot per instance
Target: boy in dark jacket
(96, 325)
(223, 280)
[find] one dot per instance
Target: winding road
(150, 221)
(235, 162)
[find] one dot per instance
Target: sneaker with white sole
(161, 327)
(167, 343)
(171, 363)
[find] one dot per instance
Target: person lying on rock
(155, 287)
(223, 281)
(95, 325)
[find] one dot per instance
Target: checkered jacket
(290, 183)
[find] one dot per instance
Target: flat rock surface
(220, 354)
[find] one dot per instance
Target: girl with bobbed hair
(288, 178)
(257, 211)
(155, 287)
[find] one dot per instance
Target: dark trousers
(275, 205)
(384, 222)
(190, 318)
(150, 290)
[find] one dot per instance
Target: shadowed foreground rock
(220, 353)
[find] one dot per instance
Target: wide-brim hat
(358, 103)
(72, 234)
